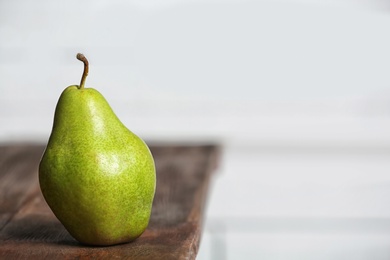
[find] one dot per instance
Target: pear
(96, 175)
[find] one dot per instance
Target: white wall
(297, 91)
(241, 71)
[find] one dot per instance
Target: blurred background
(297, 92)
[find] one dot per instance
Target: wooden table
(29, 230)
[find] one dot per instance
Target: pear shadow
(38, 228)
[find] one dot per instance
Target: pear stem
(82, 58)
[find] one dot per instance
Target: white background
(296, 92)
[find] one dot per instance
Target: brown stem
(82, 58)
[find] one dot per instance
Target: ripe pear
(96, 175)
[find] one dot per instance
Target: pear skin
(96, 175)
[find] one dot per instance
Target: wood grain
(29, 230)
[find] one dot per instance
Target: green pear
(96, 175)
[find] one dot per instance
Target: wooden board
(29, 230)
